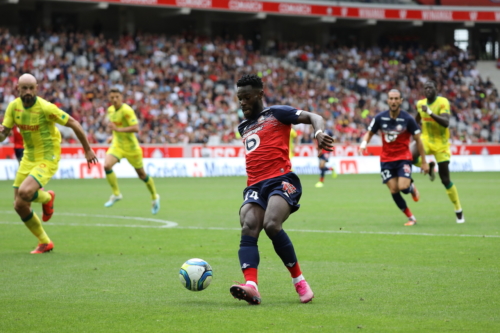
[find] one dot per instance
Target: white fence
(217, 167)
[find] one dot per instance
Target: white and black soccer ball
(196, 274)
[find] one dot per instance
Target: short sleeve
(444, 107)
(286, 114)
(55, 114)
(8, 119)
(374, 126)
(129, 114)
(412, 126)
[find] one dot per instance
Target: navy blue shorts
(19, 153)
(287, 186)
(323, 157)
(393, 169)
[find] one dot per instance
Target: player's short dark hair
(431, 82)
(115, 90)
(250, 80)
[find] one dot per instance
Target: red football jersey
(17, 138)
(396, 134)
(267, 141)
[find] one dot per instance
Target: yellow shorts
(134, 157)
(42, 171)
(441, 153)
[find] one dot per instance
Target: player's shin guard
(284, 248)
(41, 196)
(249, 258)
(151, 186)
(113, 182)
(452, 192)
(33, 223)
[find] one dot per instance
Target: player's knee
(249, 229)
(272, 227)
(108, 167)
(25, 195)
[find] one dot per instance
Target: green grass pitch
(369, 272)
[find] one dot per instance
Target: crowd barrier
(220, 167)
(197, 150)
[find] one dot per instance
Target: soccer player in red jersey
(17, 139)
(397, 127)
(273, 191)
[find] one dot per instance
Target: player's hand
(425, 168)
(324, 142)
(91, 158)
(361, 150)
(112, 126)
(109, 139)
(424, 108)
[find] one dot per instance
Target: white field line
(170, 224)
(165, 224)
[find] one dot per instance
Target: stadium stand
(182, 87)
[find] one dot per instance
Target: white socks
(298, 279)
(252, 284)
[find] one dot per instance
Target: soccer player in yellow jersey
(434, 117)
(124, 144)
(293, 142)
(36, 118)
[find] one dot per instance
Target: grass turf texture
(367, 270)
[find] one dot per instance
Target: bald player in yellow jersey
(124, 144)
(434, 117)
(36, 119)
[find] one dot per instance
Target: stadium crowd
(183, 87)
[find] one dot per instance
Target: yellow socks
(452, 192)
(41, 197)
(151, 186)
(111, 177)
(33, 223)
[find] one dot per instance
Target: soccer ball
(195, 274)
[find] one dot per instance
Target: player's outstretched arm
(366, 139)
(128, 129)
(443, 119)
(4, 132)
(324, 140)
(80, 133)
(421, 151)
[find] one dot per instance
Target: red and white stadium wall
(356, 11)
(235, 166)
(195, 150)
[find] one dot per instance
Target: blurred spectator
(183, 89)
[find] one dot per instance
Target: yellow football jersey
(42, 139)
(432, 132)
(123, 117)
(293, 135)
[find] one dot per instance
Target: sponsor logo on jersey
(18, 110)
(31, 128)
